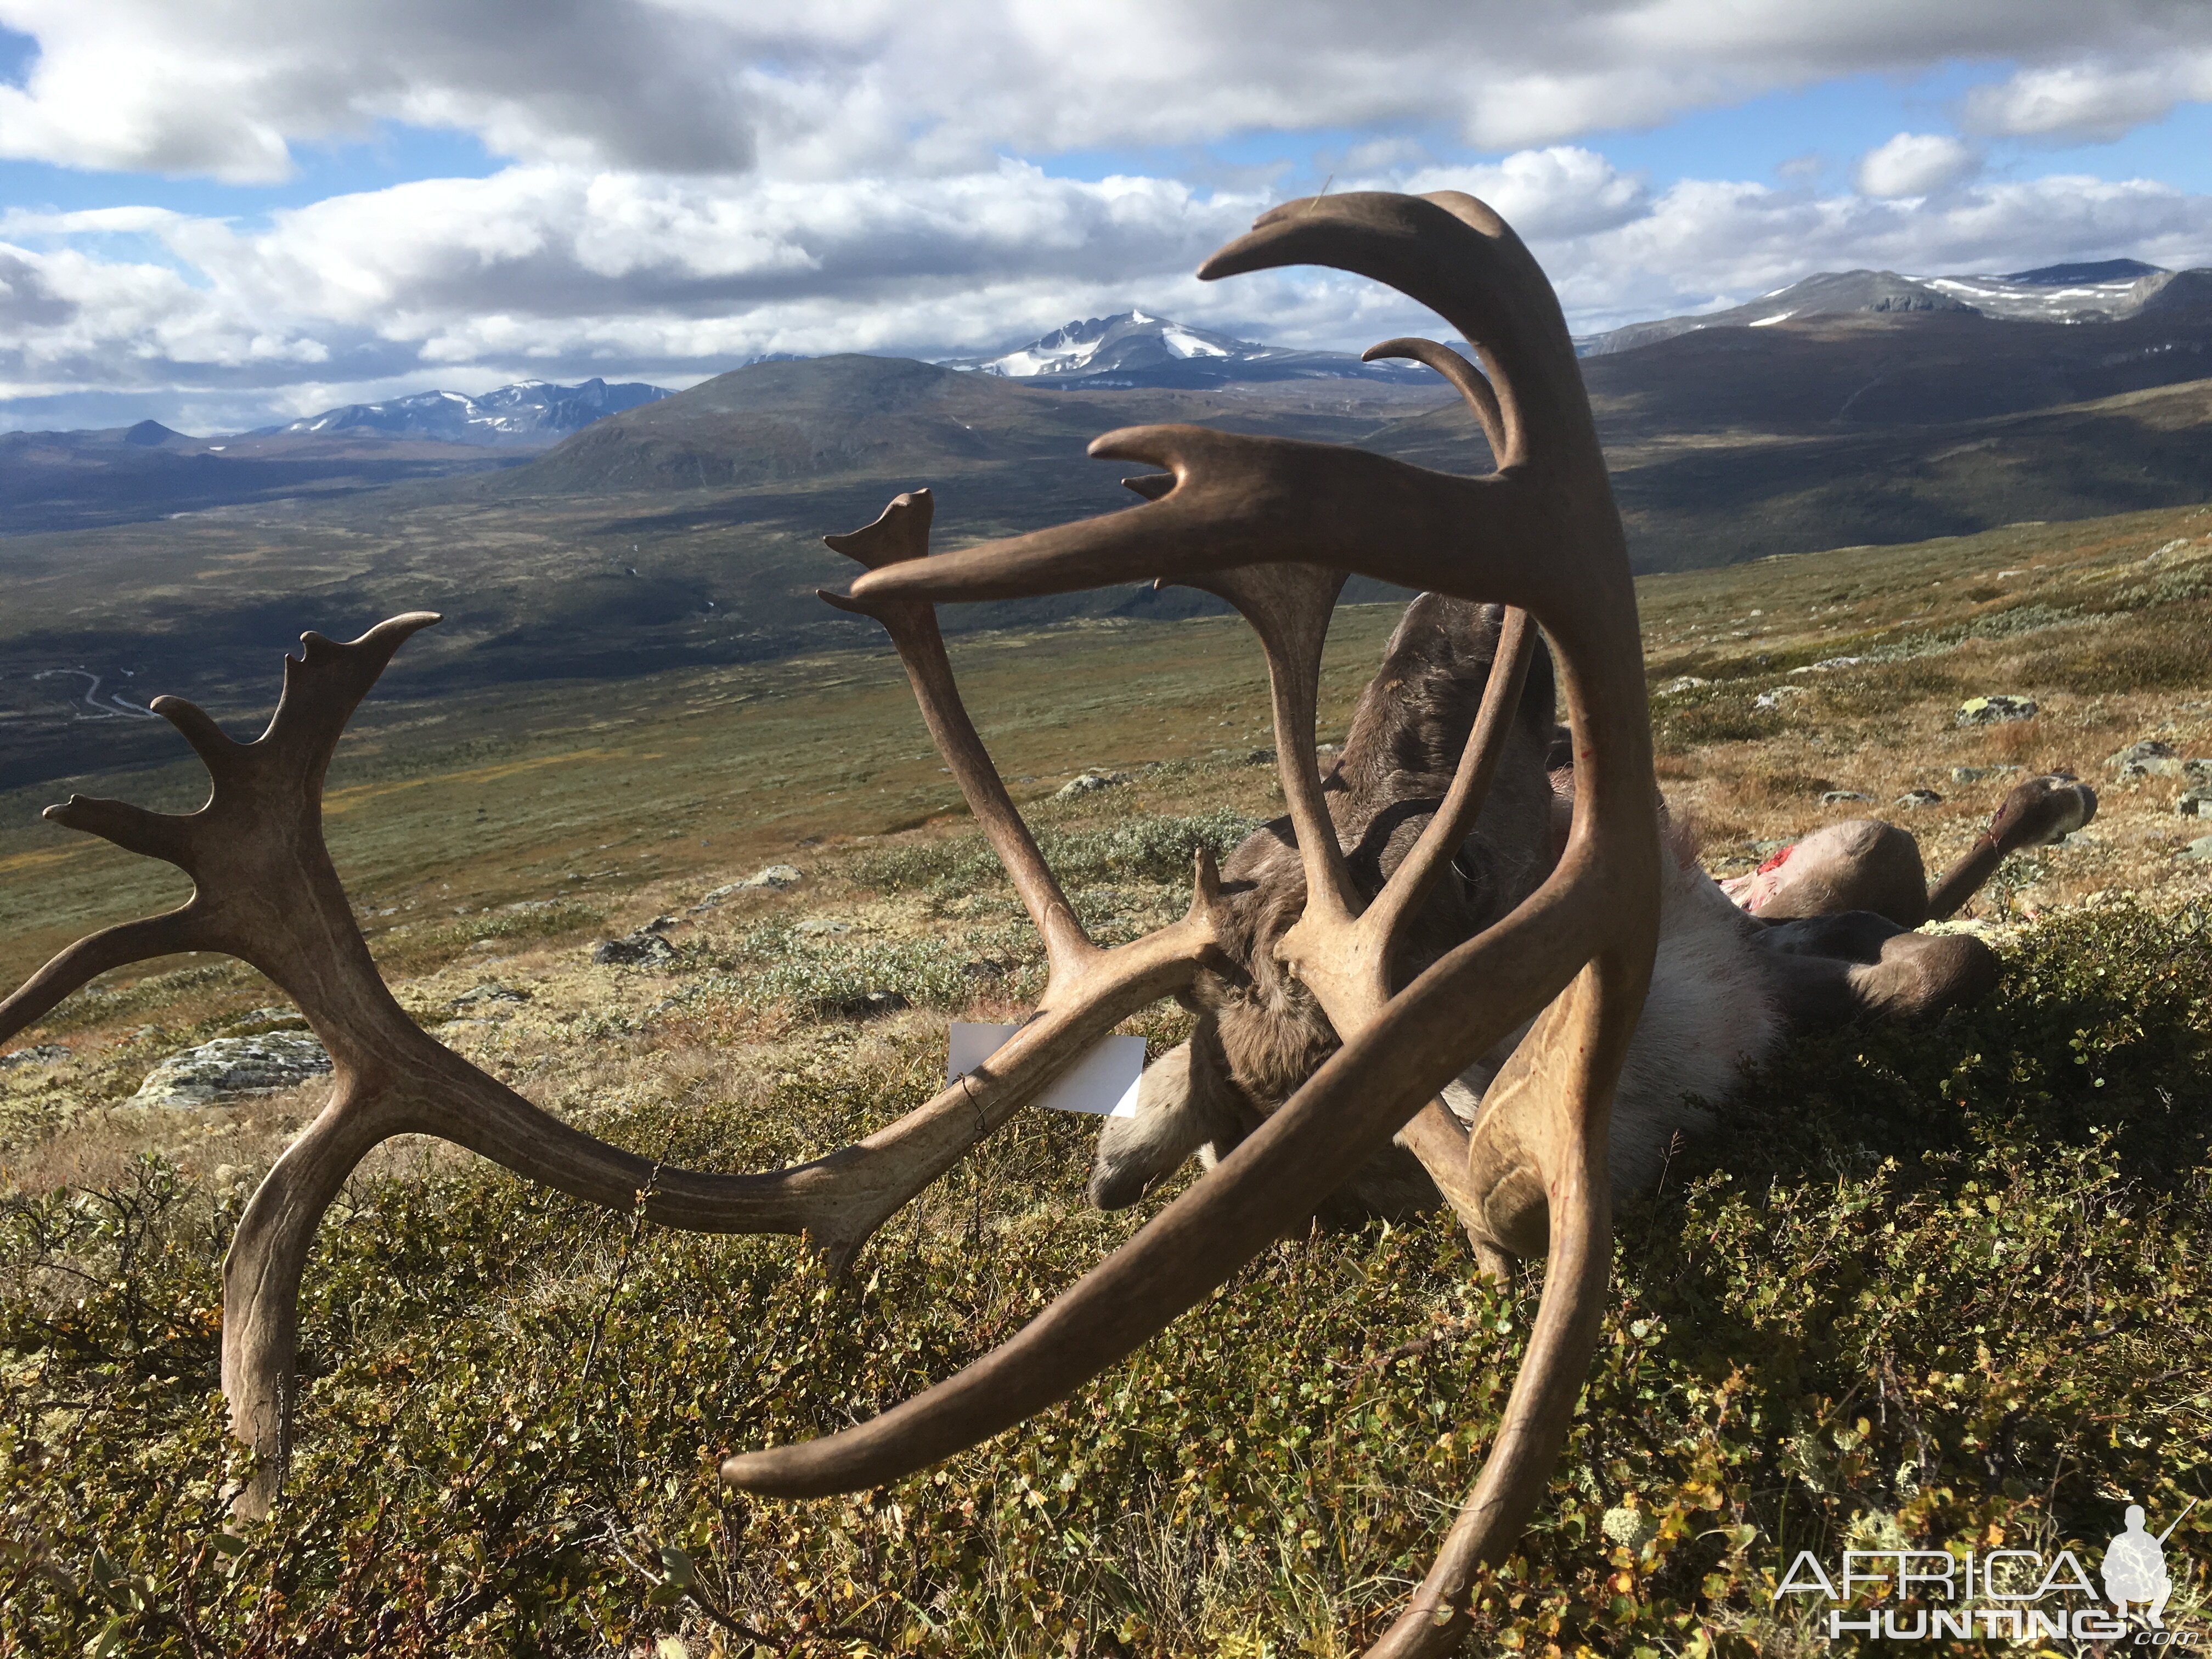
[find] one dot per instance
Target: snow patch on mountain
(2101, 291)
(527, 413)
(1137, 349)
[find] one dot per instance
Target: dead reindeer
(1431, 943)
(1820, 935)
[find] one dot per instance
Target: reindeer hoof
(2041, 811)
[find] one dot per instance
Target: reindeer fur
(1727, 987)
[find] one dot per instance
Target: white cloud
(1915, 164)
(227, 90)
(551, 271)
(2097, 99)
(695, 182)
(837, 87)
(1544, 194)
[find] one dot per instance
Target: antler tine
(1346, 954)
(1559, 1075)
(1465, 379)
(1289, 607)
(900, 534)
(261, 1273)
(94, 955)
(1365, 954)
(325, 683)
(1454, 819)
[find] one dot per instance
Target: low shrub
(1927, 1288)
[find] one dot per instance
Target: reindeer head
(1261, 1031)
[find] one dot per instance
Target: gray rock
(1979, 773)
(773, 876)
(1681, 684)
(490, 990)
(2199, 848)
(2197, 771)
(984, 968)
(1916, 797)
(2149, 759)
(1842, 796)
(1261, 757)
(39, 1054)
(1089, 782)
(1775, 698)
(2195, 803)
(231, 1067)
(1995, 709)
(872, 1005)
(638, 949)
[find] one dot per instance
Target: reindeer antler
(1273, 525)
(266, 891)
(1540, 533)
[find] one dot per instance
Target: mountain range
(1134, 350)
(2106, 291)
(686, 529)
(530, 414)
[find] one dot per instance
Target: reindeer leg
(2036, 813)
(1830, 970)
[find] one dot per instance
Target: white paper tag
(1103, 1083)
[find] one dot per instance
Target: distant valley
(685, 530)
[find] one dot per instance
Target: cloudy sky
(234, 210)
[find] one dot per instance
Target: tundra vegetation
(1931, 1286)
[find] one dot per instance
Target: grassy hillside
(62, 481)
(686, 533)
(1695, 495)
(1927, 1288)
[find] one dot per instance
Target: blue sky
(224, 218)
